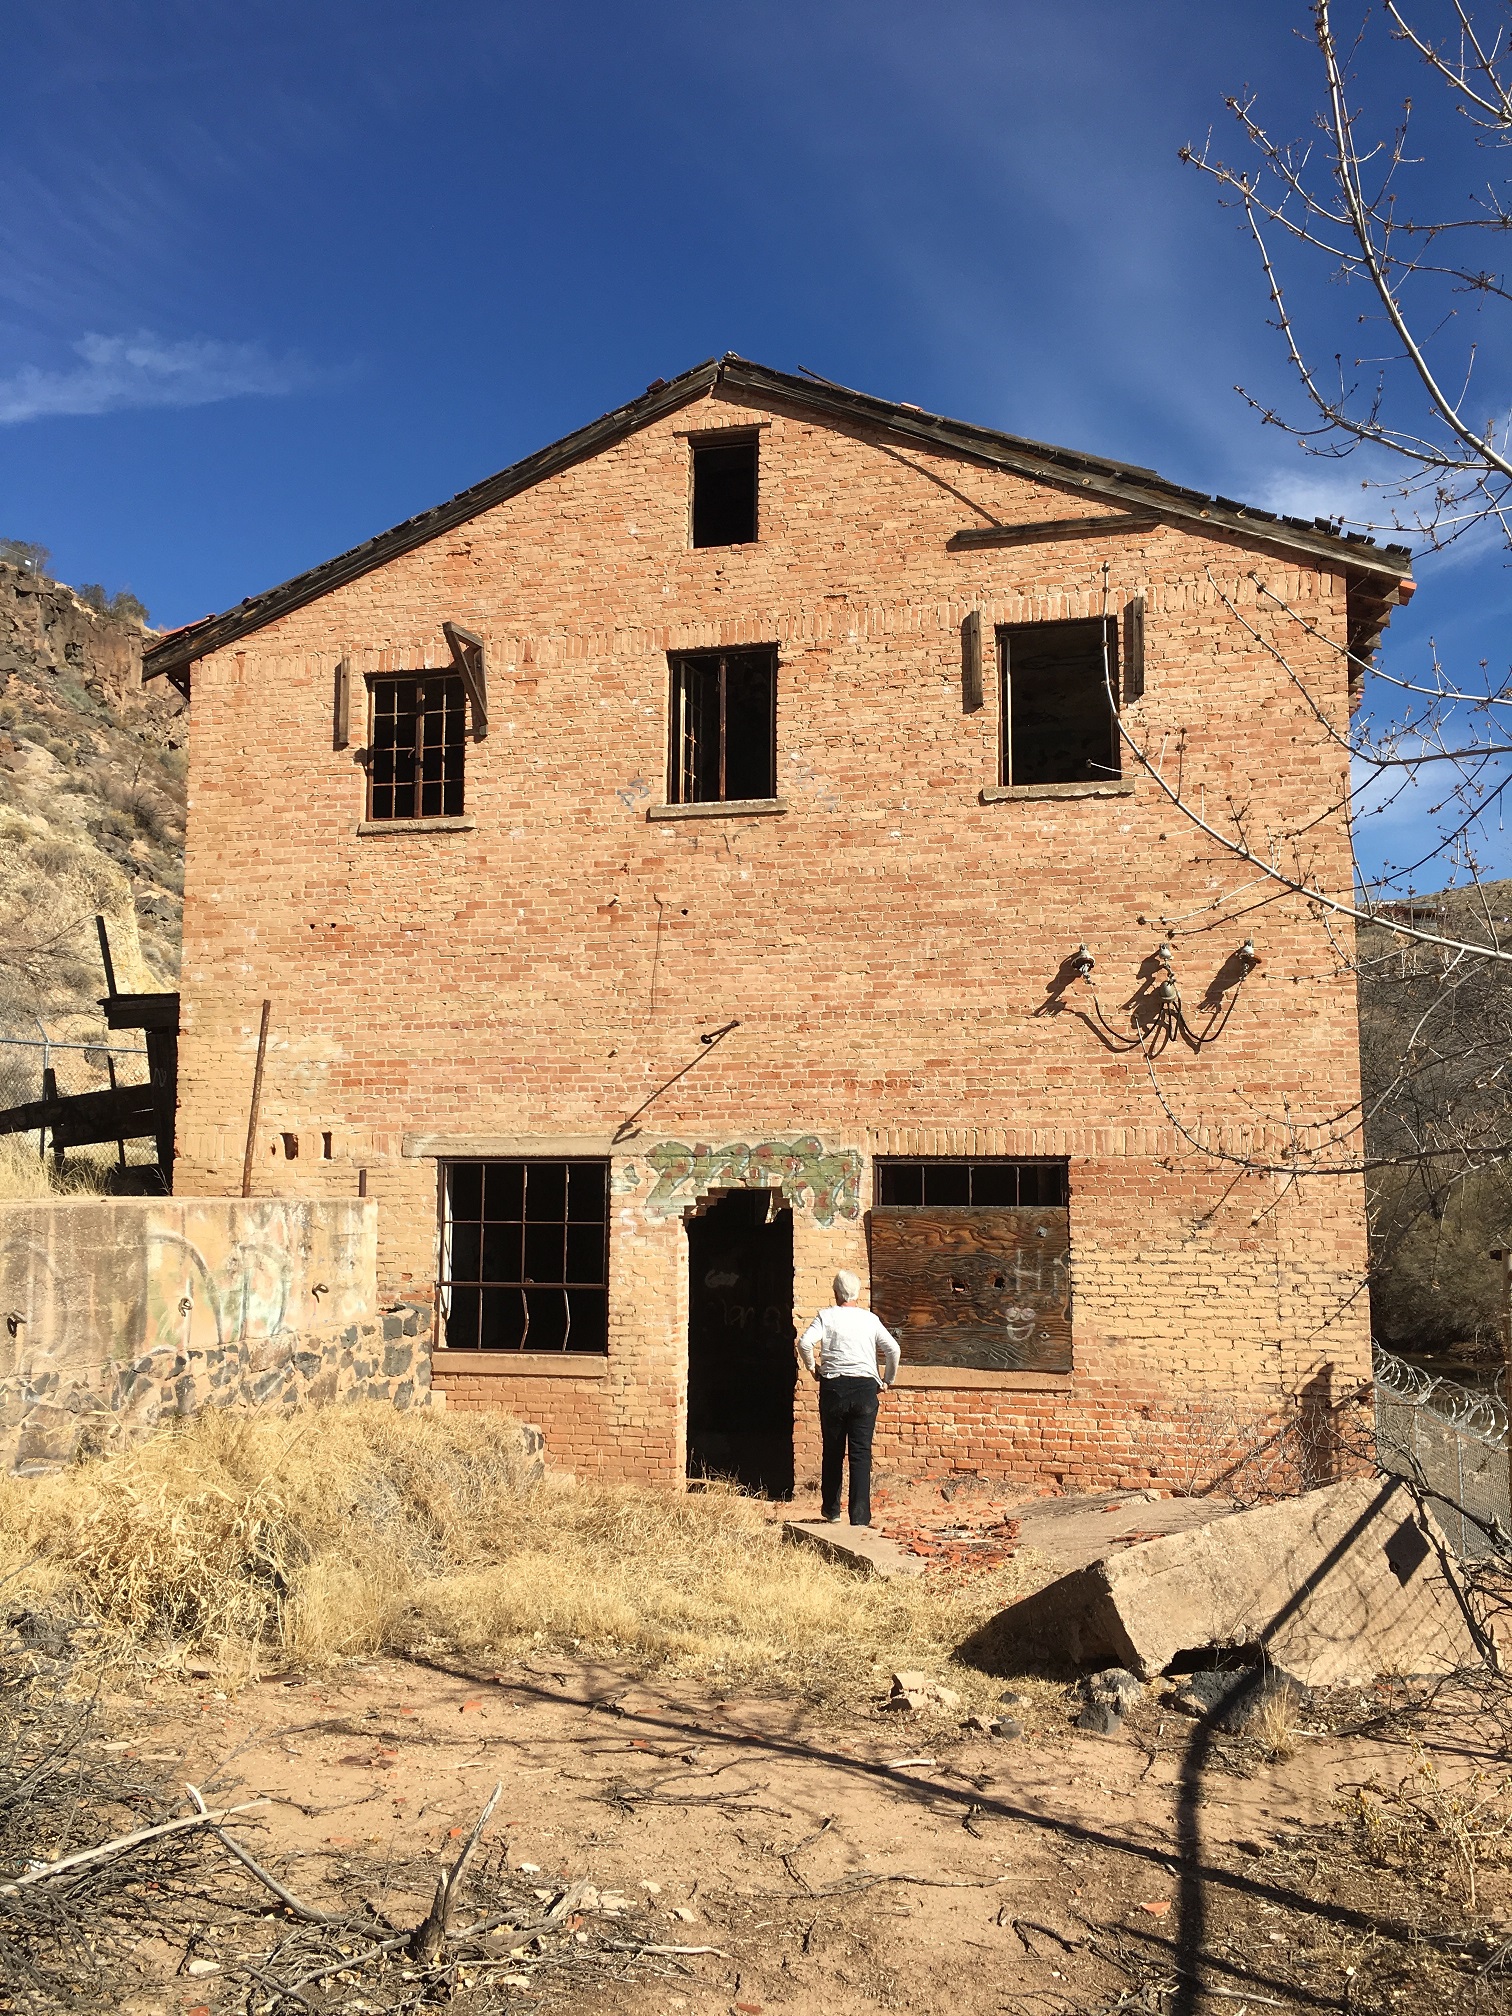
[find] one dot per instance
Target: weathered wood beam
(1046, 529)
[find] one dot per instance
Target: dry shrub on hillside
(348, 1529)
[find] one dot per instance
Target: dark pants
(847, 1421)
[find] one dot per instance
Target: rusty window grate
(1057, 725)
(724, 727)
(525, 1256)
(416, 757)
(999, 1182)
(724, 492)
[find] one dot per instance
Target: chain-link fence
(33, 1066)
(1456, 1443)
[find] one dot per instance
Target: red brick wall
(887, 943)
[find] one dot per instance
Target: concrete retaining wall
(117, 1311)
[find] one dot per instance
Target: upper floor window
(724, 727)
(416, 747)
(1058, 726)
(724, 492)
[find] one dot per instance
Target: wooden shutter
(466, 648)
(341, 727)
(1133, 649)
(979, 1287)
(971, 662)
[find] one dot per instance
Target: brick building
(667, 863)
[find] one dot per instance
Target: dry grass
(352, 1529)
(25, 1174)
(1442, 1833)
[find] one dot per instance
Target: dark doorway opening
(741, 1364)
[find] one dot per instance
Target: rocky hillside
(92, 782)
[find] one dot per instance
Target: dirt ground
(661, 1849)
(742, 1857)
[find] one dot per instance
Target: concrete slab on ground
(1074, 1531)
(855, 1547)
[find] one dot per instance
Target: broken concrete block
(1334, 1587)
(913, 1691)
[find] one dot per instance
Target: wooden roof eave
(1138, 492)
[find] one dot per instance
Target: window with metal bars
(416, 749)
(724, 727)
(525, 1256)
(945, 1182)
(1058, 727)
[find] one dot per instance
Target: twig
(120, 1845)
(640, 1946)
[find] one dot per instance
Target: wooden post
(105, 959)
(1504, 1255)
(256, 1112)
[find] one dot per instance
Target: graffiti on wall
(811, 1177)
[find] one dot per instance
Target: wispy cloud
(120, 372)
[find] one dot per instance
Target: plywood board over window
(976, 1287)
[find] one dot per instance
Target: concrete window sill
(1000, 1382)
(464, 822)
(1111, 787)
(726, 808)
(520, 1364)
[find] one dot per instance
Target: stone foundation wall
(115, 1313)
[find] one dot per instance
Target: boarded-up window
(977, 1285)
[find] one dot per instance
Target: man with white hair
(850, 1342)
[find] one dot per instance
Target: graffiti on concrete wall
(120, 1311)
(811, 1177)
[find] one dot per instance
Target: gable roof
(1374, 572)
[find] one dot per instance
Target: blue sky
(275, 276)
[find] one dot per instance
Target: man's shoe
(831, 1518)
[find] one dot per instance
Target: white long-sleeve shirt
(850, 1341)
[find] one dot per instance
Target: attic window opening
(1058, 726)
(723, 727)
(724, 492)
(525, 1256)
(417, 746)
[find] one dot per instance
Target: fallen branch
(286, 1897)
(121, 1844)
(854, 1884)
(566, 1903)
(429, 1936)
